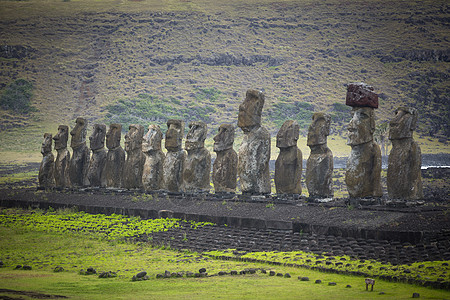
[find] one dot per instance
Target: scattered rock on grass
(108, 274)
(58, 269)
(416, 295)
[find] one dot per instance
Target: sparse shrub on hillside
(211, 94)
(340, 116)
(17, 97)
(299, 111)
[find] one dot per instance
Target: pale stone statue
(96, 171)
(254, 152)
(152, 176)
(79, 162)
(197, 167)
(46, 170)
(363, 174)
(134, 164)
(225, 166)
(62, 161)
(175, 158)
(288, 166)
(319, 166)
(115, 158)
(404, 179)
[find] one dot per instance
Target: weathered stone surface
(404, 178)
(79, 162)
(134, 164)
(115, 158)
(363, 174)
(288, 166)
(96, 171)
(62, 161)
(361, 95)
(152, 176)
(254, 152)
(225, 166)
(173, 167)
(197, 166)
(319, 166)
(46, 170)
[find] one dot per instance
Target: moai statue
(254, 152)
(225, 166)
(134, 165)
(173, 168)
(96, 171)
(319, 166)
(363, 174)
(79, 162)
(62, 161)
(288, 166)
(197, 166)
(115, 159)
(152, 176)
(46, 170)
(404, 178)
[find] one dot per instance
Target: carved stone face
(47, 143)
(152, 139)
(174, 135)
(113, 136)
(133, 138)
(61, 137)
(196, 136)
(403, 124)
(288, 134)
(250, 110)
(361, 126)
(97, 138)
(78, 133)
(319, 129)
(225, 138)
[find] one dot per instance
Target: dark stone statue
(254, 152)
(404, 178)
(319, 167)
(134, 165)
(79, 162)
(225, 166)
(175, 158)
(46, 170)
(152, 176)
(288, 166)
(96, 172)
(197, 166)
(115, 159)
(62, 161)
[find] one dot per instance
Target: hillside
(145, 61)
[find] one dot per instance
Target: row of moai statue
(188, 170)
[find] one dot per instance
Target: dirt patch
(34, 295)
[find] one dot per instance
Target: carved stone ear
(415, 116)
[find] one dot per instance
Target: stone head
(361, 126)
(61, 137)
(113, 136)
(78, 133)
(319, 129)
(250, 110)
(361, 95)
(403, 124)
(288, 134)
(47, 143)
(174, 135)
(97, 138)
(133, 138)
(152, 139)
(225, 138)
(196, 136)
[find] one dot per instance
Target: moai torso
(254, 152)
(173, 168)
(288, 166)
(79, 163)
(225, 166)
(134, 164)
(96, 171)
(319, 166)
(46, 170)
(404, 179)
(62, 161)
(152, 176)
(115, 158)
